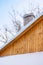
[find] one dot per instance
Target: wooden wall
(31, 41)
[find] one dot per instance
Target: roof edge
(23, 29)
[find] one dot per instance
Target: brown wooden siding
(31, 41)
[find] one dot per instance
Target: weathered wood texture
(31, 41)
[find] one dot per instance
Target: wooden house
(29, 39)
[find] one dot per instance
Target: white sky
(18, 5)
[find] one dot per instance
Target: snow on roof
(28, 15)
(22, 30)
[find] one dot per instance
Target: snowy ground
(23, 59)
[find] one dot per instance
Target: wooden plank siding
(31, 41)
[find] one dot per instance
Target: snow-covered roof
(22, 30)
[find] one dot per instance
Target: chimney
(28, 17)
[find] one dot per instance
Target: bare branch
(15, 22)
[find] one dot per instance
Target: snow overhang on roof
(22, 30)
(28, 15)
